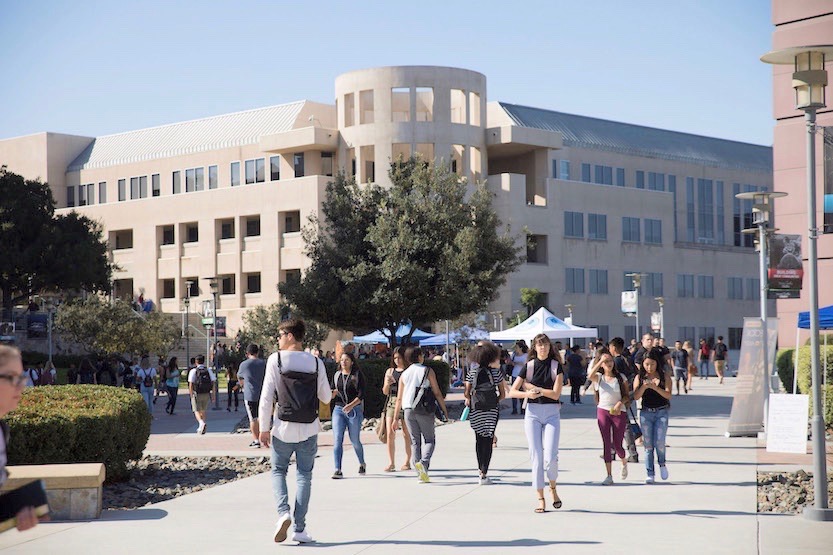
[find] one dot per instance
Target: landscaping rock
(787, 492)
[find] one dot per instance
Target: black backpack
(484, 395)
(296, 394)
(147, 381)
(424, 400)
(203, 383)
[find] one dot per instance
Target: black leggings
(575, 389)
(483, 448)
(233, 392)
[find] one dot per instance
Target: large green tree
(43, 251)
(260, 326)
(428, 248)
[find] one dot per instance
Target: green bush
(60, 361)
(784, 360)
(374, 375)
(79, 423)
(804, 380)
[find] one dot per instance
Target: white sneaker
(485, 481)
(649, 480)
(201, 428)
(608, 481)
(423, 474)
(625, 472)
(663, 472)
(281, 527)
(302, 537)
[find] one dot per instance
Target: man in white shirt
(295, 426)
(201, 388)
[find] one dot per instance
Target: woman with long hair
(540, 387)
(692, 368)
(485, 390)
(653, 386)
(172, 374)
(86, 373)
(612, 398)
(348, 395)
(233, 393)
(519, 356)
(390, 388)
(146, 377)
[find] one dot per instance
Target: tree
(103, 328)
(426, 249)
(42, 251)
(260, 325)
(531, 298)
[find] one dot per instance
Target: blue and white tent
(462, 334)
(379, 337)
(543, 321)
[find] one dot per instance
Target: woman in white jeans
(540, 385)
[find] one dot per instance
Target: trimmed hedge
(79, 423)
(374, 375)
(785, 367)
(804, 380)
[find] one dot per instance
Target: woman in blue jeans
(653, 386)
(348, 394)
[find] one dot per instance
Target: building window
(685, 285)
(176, 179)
(652, 284)
(292, 221)
(574, 280)
(190, 180)
(565, 169)
(122, 239)
(227, 285)
(653, 231)
(603, 175)
(298, 162)
(597, 226)
(155, 185)
(672, 187)
(585, 173)
(366, 107)
(598, 282)
(458, 106)
(134, 188)
(122, 190)
(555, 169)
(349, 109)
(82, 195)
(168, 289)
(753, 289)
(687, 333)
(327, 164)
(689, 210)
(705, 214)
(253, 283)
(746, 217)
(708, 334)
(250, 172)
(604, 330)
(736, 288)
(143, 187)
(192, 233)
(102, 192)
(234, 171)
(735, 336)
(213, 180)
(630, 229)
(424, 103)
(640, 179)
(620, 177)
(168, 235)
(400, 104)
(227, 229)
(630, 332)
(253, 226)
(194, 289)
(255, 171)
(721, 213)
(656, 181)
(536, 249)
(71, 196)
(275, 168)
(574, 224)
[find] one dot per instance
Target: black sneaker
(337, 475)
(362, 469)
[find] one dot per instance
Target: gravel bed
(787, 492)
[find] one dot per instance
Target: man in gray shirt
(250, 376)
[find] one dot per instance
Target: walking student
(348, 396)
(692, 368)
(485, 389)
(679, 358)
(519, 357)
(172, 384)
(653, 386)
(720, 351)
(417, 392)
(612, 398)
(540, 386)
(250, 377)
(294, 384)
(233, 389)
(390, 388)
(704, 355)
(575, 373)
(146, 377)
(201, 389)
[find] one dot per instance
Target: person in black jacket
(348, 396)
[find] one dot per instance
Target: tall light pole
(187, 302)
(809, 80)
(637, 283)
(661, 301)
(215, 289)
(569, 308)
(761, 208)
(49, 305)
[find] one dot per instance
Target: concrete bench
(73, 490)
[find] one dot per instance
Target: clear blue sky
(97, 67)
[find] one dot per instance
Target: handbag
(382, 426)
(424, 401)
(634, 425)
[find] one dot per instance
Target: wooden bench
(73, 490)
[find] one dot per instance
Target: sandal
(390, 468)
(406, 466)
(556, 501)
(543, 507)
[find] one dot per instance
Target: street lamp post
(187, 302)
(569, 308)
(49, 305)
(215, 289)
(809, 81)
(761, 208)
(637, 283)
(661, 301)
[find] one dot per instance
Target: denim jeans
(654, 428)
(352, 422)
(704, 369)
(305, 459)
(147, 395)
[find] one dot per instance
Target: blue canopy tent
(462, 334)
(825, 323)
(379, 337)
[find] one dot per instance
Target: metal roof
(638, 140)
(223, 131)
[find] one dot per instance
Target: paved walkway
(708, 505)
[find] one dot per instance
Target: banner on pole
(785, 269)
(629, 302)
(747, 416)
(656, 321)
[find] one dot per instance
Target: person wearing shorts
(250, 376)
(199, 401)
(679, 357)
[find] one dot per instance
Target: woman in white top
(414, 384)
(612, 398)
(519, 358)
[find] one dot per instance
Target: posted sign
(785, 270)
(787, 423)
(629, 302)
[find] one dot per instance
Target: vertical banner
(629, 302)
(785, 271)
(827, 154)
(656, 321)
(747, 416)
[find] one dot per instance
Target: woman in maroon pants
(612, 398)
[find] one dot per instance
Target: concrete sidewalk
(707, 506)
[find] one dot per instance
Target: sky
(97, 67)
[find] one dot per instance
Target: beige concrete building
(226, 196)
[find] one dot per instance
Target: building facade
(227, 196)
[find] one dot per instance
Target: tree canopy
(44, 251)
(426, 249)
(260, 326)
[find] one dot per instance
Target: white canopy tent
(543, 321)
